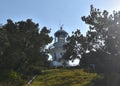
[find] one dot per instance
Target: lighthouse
(57, 50)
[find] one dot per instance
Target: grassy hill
(66, 77)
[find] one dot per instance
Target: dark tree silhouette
(105, 42)
(75, 47)
(23, 47)
(104, 36)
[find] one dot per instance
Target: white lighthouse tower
(56, 50)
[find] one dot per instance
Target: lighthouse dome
(61, 32)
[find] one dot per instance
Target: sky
(53, 13)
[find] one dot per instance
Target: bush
(16, 79)
(11, 78)
(32, 70)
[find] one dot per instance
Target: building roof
(61, 32)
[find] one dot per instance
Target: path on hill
(30, 81)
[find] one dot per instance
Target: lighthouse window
(61, 38)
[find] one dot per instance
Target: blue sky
(53, 13)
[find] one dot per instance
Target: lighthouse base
(59, 64)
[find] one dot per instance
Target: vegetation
(101, 44)
(104, 39)
(66, 77)
(22, 51)
(76, 46)
(99, 49)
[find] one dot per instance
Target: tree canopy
(106, 27)
(23, 47)
(101, 44)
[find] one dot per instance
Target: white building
(56, 50)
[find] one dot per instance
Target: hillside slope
(66, 77)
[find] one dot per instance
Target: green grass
(65, 77)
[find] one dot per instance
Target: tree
(23, 47)
(76, 46)
(105, 29)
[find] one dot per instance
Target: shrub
(15, 79)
